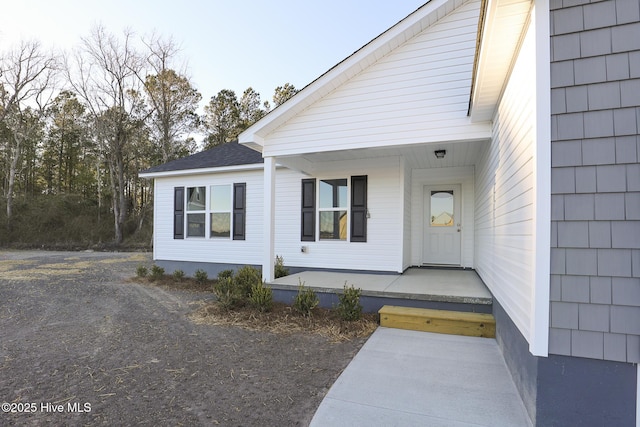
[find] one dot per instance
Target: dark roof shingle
(229, 154)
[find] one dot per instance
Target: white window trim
(208, 211)
(211, 211)
(319, 209)
(191, 212)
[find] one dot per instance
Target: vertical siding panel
(407, 218)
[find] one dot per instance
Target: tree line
(84, 123)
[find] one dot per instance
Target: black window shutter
(178, 212)
(308, 213)
(359, 208)
(239, 210)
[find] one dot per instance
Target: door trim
(458, 209)
(465, 176)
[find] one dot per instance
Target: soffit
(465, 153)
(501, 34)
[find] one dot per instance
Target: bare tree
(104, 77)
(26, 86)
(172, 98)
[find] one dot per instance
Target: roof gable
(418, 93)
(224, 155)
(416, 23)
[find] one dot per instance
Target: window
(220, 211)
(225, 219)
(196, 199)
(334, 210)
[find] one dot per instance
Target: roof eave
(201, 171)
(500, 40)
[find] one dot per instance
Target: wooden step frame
(438, 321)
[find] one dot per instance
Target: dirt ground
(80, 344)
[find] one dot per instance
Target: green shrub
(245, 278)
(157, 272)
(178, 275)
(261, 297)
(305, 301)
(142, 271)
(280, 270)
(349, 307)
(201, 276)
(225, 274)
(227, 293)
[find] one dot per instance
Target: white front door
(442, 231)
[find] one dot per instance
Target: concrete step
(438, 321)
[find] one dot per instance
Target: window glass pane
(195, 198)
(333, 193)
(220, 225)
(195, 225)
(221, 198)
(333, 225)
(442, 209)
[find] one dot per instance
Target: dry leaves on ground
(283, 319)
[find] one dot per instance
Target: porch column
(269, 256)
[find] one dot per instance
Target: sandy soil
(80, 344)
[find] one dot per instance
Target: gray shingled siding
(595, 179)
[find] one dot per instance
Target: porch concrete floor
(409, 378)
(415, 283)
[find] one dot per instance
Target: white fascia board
(203, 171)
(251, 140)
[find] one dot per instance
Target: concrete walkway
(408, 378)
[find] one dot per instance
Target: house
(533, 109)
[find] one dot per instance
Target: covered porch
(435, 288)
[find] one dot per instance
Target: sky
(232, 44)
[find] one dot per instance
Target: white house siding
(199, 249)
(504, 196)
(439, 176)
(383, 249)
(388, 103)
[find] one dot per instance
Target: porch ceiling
(415, 156)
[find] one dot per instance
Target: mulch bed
(74, 330)
(284, 320)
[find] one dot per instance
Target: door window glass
(442, 209)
